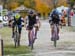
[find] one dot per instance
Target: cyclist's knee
(52, 30)
(29, 31)
(37, 28)
(52, 27)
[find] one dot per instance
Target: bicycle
(16, 37)
(55, 36)
(32, 37)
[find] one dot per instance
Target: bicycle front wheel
(15, 40)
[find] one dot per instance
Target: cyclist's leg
(52, 31)
(51, 25)
(58, 32)
(13, 27)
(58, 29)
(9, 23)
(19, 30)
(29, 32)
(36, 30)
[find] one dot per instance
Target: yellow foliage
(13, 5)
(27, 3)
(41, 7)
(62, 2)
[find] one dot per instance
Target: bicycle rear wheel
(55, 43)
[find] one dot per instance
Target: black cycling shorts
(29, 27)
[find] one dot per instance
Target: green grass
(5, 32)
(11, 50)
(70, 28)
(73, 29)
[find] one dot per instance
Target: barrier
(1, 47)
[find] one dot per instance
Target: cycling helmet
(17, 16)
(31, 12)
(55, 11)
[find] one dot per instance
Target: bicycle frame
(55, 34)
(55, 29)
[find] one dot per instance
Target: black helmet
(31, 12)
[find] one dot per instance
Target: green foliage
(20, 2)
(72, 0)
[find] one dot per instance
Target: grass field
(9, 49)
(5, 32)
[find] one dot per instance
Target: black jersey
(32, 20)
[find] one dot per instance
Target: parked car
(4, 21)
(1, 19)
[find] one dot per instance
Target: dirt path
(44, 46)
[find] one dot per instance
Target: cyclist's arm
(50, 19)
(22, 20)
(38, 21)
(60, 22)
(11, 22)
(25, 21)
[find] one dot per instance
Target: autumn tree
(12, 5)
(29, 3)
(42, 8)
(21, 2)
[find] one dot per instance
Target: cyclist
(63, 17)
(32, 20)
(17, 19)
(54, 19)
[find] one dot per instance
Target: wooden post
(1, 47)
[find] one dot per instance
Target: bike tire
(55, 42)
(18, 41)
(55, 36)
(31, 45)
(15, 41)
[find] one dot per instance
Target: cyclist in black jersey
(32, 20)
